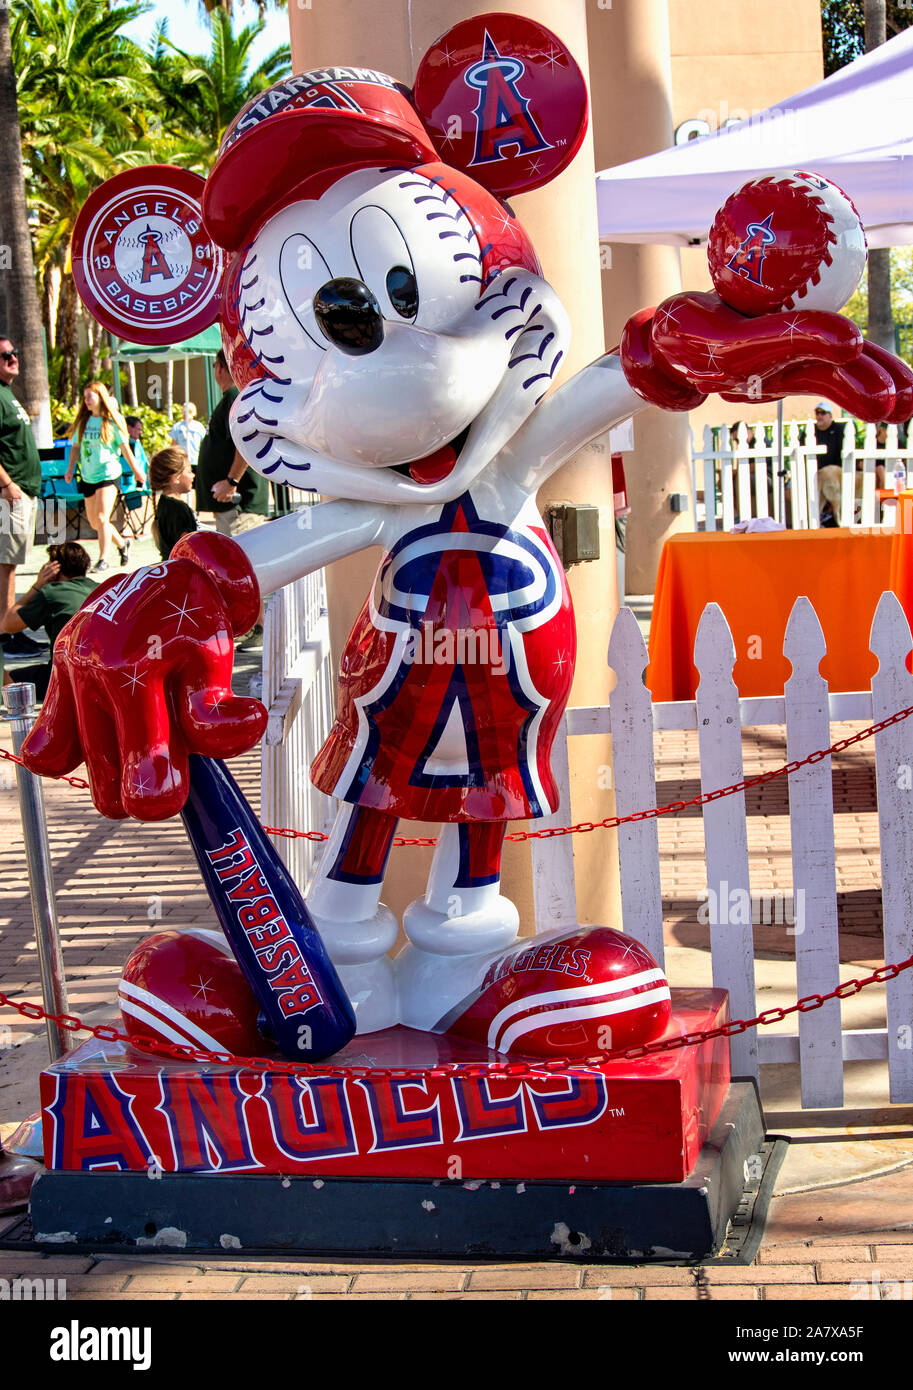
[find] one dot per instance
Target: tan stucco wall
(732, 60)
(743, 53)
(630, 59)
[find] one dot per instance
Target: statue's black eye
(403, 291)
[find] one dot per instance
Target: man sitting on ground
(58, 592)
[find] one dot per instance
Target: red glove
(652, 381)
(696, 341)
(142, 678)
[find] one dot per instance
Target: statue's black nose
(349, 316)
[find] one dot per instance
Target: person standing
(20, 484)
(829, 433)
(99, 438)
(135, 431)
(237, 496)
(188, 434)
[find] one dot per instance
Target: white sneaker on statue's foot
(430, 986)
(449, 953)
(359, 952)
(491, 926)
(372, 990)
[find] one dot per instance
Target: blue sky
(187, 28)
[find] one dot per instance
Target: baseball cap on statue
(313, 123)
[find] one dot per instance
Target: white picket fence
(298, 692)
(739, 481)
(821, 1045)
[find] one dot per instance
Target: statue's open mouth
(434, 467)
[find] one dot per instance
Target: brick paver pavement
(858, 1248)
(117, 881)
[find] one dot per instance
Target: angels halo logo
(144, 259)
(749, 257)
(502, 114)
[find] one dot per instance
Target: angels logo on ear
(503, 99)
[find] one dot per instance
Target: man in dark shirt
(829, 432)
(222, 475)
(58, 592)
(20, 484)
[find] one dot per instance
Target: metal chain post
(20, 705)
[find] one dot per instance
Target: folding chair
(135, 499)
(55, 488)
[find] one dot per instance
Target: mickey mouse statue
(384, 314)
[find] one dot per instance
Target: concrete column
(631, 92)
(392, 36)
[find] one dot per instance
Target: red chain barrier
(526, 1071)
(107, 1033)
(611, 822)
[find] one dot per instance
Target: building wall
(732, 60)
(738, 55)
(655, 65)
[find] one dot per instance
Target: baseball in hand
(786, 240)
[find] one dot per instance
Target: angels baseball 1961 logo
(146, 260)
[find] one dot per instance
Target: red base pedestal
(107, 1108)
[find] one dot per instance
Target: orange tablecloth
(756, 579)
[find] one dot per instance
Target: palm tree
(204, 93)
(209, 7)
(84, 92)
(78, 62)
(21, 314)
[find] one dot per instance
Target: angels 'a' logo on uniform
(749, 258)
(426, 726)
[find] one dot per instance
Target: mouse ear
(503, 100)
(144, 264)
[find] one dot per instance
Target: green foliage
(857, 307)
(843, 29)
(80, 84)
(92, 102)
(155, 426)
(202, 93)
(842, 32)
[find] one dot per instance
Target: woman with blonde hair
(99, 438)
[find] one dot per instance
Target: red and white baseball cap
(314, 124)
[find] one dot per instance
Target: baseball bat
(266, 923)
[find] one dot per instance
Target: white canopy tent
(855, 127)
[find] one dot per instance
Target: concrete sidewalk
(841, 1224)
